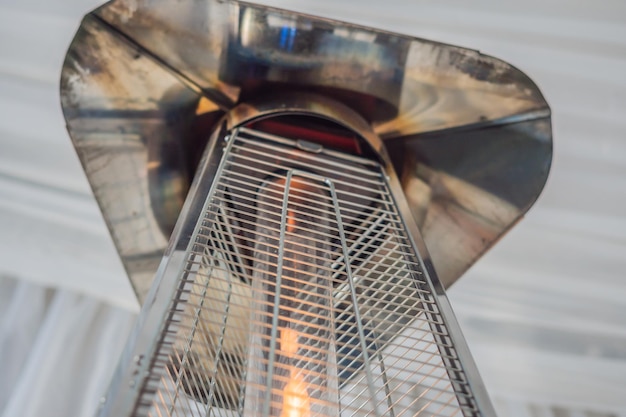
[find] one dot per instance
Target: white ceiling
(544, 312)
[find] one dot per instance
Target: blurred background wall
(544, 312)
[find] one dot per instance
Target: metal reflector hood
(145, 81)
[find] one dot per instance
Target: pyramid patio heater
(290, 196)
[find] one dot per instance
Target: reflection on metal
(144, 82)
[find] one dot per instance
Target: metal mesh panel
(302, 296)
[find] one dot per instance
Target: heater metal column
(299, 292)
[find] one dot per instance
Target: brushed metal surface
(144, 82)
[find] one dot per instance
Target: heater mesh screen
(302, 296)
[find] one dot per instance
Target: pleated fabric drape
(58, 350)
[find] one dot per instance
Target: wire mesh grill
(302, 296)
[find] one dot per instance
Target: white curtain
(58, 350)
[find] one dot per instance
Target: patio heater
(290, 197)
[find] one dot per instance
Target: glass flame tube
(292, 367)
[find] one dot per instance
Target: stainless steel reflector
(299, 292)
(145, 80)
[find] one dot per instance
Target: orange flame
(296, 400)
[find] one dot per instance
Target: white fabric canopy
(544, 312)
(58, 350)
